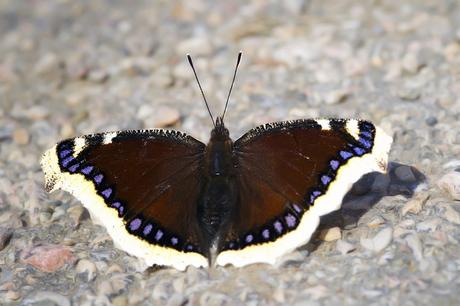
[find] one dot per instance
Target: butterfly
(172, 200)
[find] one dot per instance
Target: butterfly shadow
(368, 191)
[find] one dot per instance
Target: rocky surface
(75, 67)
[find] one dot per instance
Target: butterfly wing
(288, 175)
(142, 186)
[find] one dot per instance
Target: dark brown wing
(148, 183)
(289, 174)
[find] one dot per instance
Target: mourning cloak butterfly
(169, 199)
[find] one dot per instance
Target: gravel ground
(75, 67)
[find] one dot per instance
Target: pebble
(379, 241)
(316, 292)
(215, 299)
(5, 237)
(430, 225)
(47, 64)
(76, 214)
(344, 247)
(12, 295)
(415, 205)
(47, 258)
(334, 96)
(47, 298)
(377, 221)
(414, 243)
(159, 117)
(330, 234)
(21, 136)
(121, 300)
(450, 214)
(98, 76)
(450, 183)
(411, 63)
(86, 270)
(195, 46)
(409, 94)
(431, 120)
(36, 112)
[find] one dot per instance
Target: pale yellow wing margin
(347, 175)
(85, 192)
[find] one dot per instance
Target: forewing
(288, 175)
(142, 186)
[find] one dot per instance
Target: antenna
(233, 82)
(201, 89)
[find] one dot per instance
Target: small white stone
(379, 241)
(317, 292)
(411, 63)
(451, 184)
(21, 136)
(428, 225)
(415, 205)
(376, 222)
(330, 234)
(87, 269)
(344, 247)
(75, 214)
(451, 215)
(415, 245)
(12, 295)
(196, 46)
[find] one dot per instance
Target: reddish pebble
(48, 258)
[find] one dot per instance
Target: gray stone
(380, 241)
(450, 183)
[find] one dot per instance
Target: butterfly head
(220, 132)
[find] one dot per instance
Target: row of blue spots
(365, 139)
(71, 164)
(154, 233)
(270, 232)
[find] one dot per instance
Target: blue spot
(116, 205)
(67, 161)
(87, 170)
(359, 151)
(266, 233)
(249, 238)
(278, 227)
(189, 247)
(345, 154)
(98, 178)
(297, 208)
(135, 224)
(290, 220)
(314, 195)
(64, 153)
(325, 179)
(366, 134)
(366, 143)
(147, 229)
(107, 192)
(121, 211)
(174, 240)
(74, 168)
(158, 235)
(334, 164)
